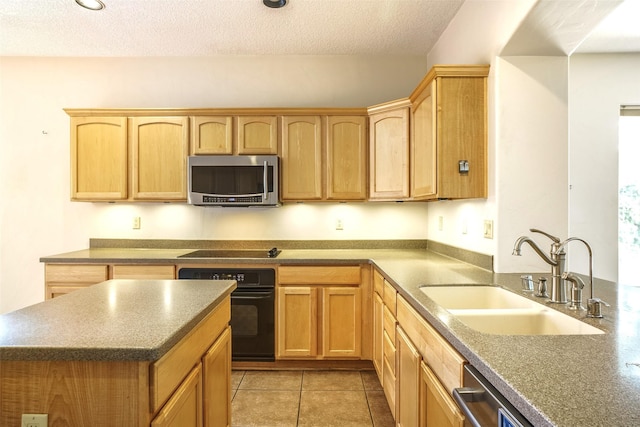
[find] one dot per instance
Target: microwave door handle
(265, 177)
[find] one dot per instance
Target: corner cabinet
(449, 133)
(389, 151)
(319, 312)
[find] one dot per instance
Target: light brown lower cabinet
(184, 408)
(216, 365)
(61, 279)
(420, 368)
(407, 381)
(437, 407)
(319, 312)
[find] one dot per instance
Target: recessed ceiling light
(91, 4)
(276, 4)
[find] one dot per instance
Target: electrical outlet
(136, 222)
(440, 223)
(339, 225)
(488, 229)
(35, 420)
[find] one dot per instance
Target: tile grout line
(300, 399)
(366, 398)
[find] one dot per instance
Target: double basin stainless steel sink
(494, 310)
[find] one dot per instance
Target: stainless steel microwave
(233, 180)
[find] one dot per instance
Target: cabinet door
(159, 148)
(462, 135)
(346, 155)
(257, 135)
(98, 158)
(143, 272)
(407, 381)
(216, 374)
(389, 155)
(341, 322)
(377, 334)
(211, 135)
(437, 407)
(297, 321)
(184, 408)
(301, 158)
(423, 144)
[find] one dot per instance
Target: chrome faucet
(594, 305)
(556, 259)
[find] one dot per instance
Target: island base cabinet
(189, 386)
(184, 408)
(216, 365)
(74, 393)
(437, 407)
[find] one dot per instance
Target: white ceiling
(221, 27)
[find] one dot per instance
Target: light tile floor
(308, 398)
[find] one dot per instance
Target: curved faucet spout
(524, 239)
(570, 239)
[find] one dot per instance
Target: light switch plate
(35, 420)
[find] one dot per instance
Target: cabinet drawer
(389, 385)
(378, 282)
(441, 357)
(82, 274)
(319, 275)
(144, 272)
(389, 323)
(168, 372)
(389, 296)
(389, 352)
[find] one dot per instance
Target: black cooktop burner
(232, 253)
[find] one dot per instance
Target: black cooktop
(233, 253)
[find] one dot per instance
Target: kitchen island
(122, 352)
(553, 380)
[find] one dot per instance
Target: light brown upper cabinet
(212, 135)
(324, 158)
(159, 148)
(389, 150)
(301, 158)
(346, 154)
(98, 158)
(449, 133)
(123, 155)
(257, 135)
(215, 135)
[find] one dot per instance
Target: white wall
(37, 218)
(526, 126)
(599, 85)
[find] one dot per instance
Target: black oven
(252, 309)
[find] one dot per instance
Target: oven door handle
(463, 395)
(252, 295)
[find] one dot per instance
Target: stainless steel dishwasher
(483, 405)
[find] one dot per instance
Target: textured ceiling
(218, 27)
(302, 27)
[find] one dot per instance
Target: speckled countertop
(565, 381)
(135, 320)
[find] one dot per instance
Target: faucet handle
(594, 307)
(554, 238)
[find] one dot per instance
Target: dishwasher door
(483, 405)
